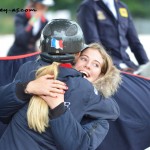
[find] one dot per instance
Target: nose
(87, 65)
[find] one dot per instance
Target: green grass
(6, 24)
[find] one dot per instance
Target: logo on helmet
(58, 44)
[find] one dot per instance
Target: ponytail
(38, 109)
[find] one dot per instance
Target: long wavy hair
(38, 109)
(110, 78)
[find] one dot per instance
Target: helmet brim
(84, 47)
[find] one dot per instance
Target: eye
(83, 58)
(96, 65)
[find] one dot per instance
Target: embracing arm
(9, 102)
(109, 109)
(70, 134)
(100, 107)
(13, 95)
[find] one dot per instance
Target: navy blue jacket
(25, 41)
(99, 25)
(82, 126)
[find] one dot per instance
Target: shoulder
(20, 15)
(34, 63)
(28, 67)
(122, 4)
(88, 3)
(29, 63)
(27, 71)
(92, 91)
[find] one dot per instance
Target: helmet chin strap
(67, 58)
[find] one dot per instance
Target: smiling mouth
(84, 74)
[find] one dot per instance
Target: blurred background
(140, 10)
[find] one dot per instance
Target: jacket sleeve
(109, 109)
(135, 44)
(100, 107)
(9, 103)
(71, 135)
(88, 23)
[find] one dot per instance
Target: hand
(46, 86)
(53, 102)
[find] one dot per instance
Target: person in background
(28, 27)
(110, 23)
(67, 119)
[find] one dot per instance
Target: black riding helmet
(60, 40)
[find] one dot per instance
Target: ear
(77, 55)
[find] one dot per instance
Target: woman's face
(90, 63)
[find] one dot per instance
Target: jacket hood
(108, 84)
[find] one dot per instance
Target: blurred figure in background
(28, 26)
(110, 23)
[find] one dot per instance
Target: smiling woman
(97, 67)
(90, 64)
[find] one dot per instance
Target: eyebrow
(94, 59)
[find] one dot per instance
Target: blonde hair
(110, 78)
(38, 109)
